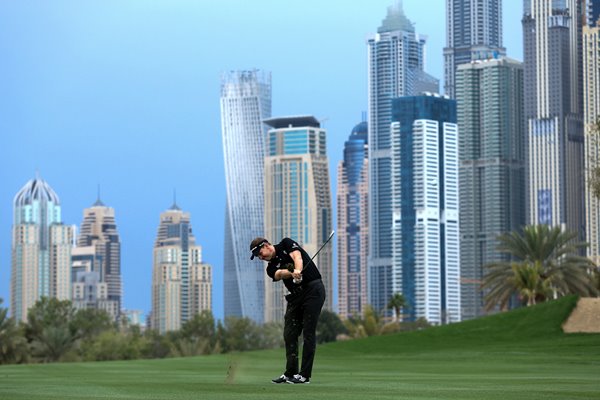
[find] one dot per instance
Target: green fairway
(517, 355)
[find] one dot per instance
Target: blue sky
(125, 94)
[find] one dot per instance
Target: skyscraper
(473, 32)
(396, 57)
(353, 223)
(591, 108)
(592, 12)
(245, 103)
(181, 282)
(97, 261)
(489, 97)
(553, 113)
(297, 198)
(425, 205)
(41, 249)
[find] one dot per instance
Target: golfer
(287, 261)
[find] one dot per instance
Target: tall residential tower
(396, 59)
(181, 282)
(41, 249)
(353, 223)
(245, 103)
(489, 97)
(591, 109)
(553, 113)
(97, 261)
(425, 207)
(473, 32)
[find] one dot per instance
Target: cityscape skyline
(47, 112)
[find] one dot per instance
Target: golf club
(297, 281)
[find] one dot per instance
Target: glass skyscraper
(473, 32)
(396, 58)
(245, 103)
(353, 223)
(489, 95)
(425, 204)
(297, 198)
(41, 249)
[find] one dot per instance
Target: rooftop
(294, 121)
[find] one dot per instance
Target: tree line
(56, 331)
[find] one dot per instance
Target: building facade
(41, 249)
(473, 32)
(297, 199)
(591, 109)
(245, 103)
(425, 203)
(489, 98)
(96, 268)
(181, 282)
(353, 223)
(553, 113)
(396, 59)
(592, 12)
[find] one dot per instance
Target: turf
(517, 355)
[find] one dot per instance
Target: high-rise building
(297, 198)
(396, 59)
(553, 113)
(489, 97)
(353, 223)
(591, 110)
(41, 249)
(245, 103)
(96, 268)
(425, 206)
(473, 32)
(181, 282)
(592, 12)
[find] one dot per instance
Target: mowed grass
(518, 355)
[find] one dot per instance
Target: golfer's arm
(297, 257)
(282, 274)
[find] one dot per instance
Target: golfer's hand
(297, 274)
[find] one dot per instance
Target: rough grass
(518, 355)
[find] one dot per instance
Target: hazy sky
(125, 94)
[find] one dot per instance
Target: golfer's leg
(312, 309)
(291, 332)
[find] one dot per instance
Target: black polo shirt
(282, 260)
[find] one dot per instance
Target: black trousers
(301, 316)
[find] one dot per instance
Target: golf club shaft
(318, 251)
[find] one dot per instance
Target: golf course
(521, 354)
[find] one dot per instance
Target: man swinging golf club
(290, 263)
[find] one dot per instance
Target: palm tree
(545, 266)
(528, 279)
(13, 347)
(397, 303)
